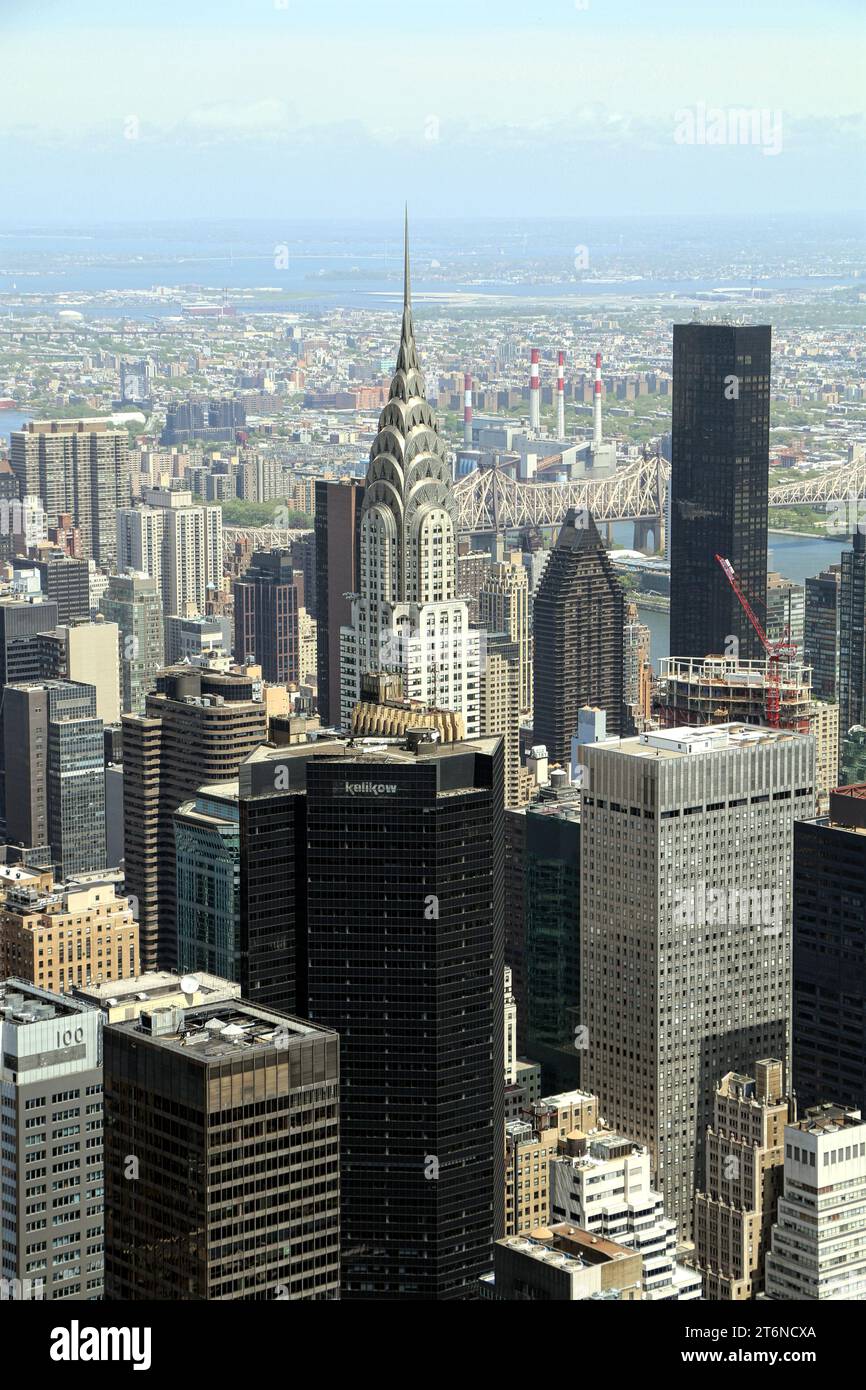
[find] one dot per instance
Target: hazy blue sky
(175, 108)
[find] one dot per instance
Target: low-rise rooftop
(827, 1119)
(689, 740)
(23, 1003)
(157, 986)
(219, 1031)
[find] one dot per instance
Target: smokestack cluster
(560, 397)
(467, 409)
(534, 393)
(596, 402)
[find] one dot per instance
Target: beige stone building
(527, 1176)
(499, 712)
(530, 1144)
(824, 726)
(56, 935)
(80, 468)
(503, 606)
(563, 1264)
(90, 652)
(745, 1155)
(637, 668)
(307, 641)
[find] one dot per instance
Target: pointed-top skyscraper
(579, 621)
(407, 618)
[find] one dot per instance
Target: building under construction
(721, 689)
(724, 689)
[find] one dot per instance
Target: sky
(503, 108)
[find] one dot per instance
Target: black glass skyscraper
(719, 485)
(272, 802)
(405, 942)
(579, 623)
(22, 656)
(338, 529)
(551, 897)
(55, 774)
(852, 636)
(829, 1022)
(821, 631)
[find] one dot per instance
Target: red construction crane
(777, 652)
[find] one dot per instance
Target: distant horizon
(498, 219)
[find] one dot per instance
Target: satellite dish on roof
(189, 984)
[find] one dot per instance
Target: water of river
(796, 557)
(11, 420)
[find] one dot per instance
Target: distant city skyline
(599, 106)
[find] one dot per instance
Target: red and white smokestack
(560, 396)
(596, 402)
(467, 409)
(534, 393)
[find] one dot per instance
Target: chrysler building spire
(409, 517)
(406, 617)
(407, 357)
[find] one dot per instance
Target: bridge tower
(653, 526)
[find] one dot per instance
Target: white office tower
(686, 923)
(604, 1187)
(51, 1145)
(178, 544)
(407, 618)
(818, 1244)
(26, 519)
(591, 728)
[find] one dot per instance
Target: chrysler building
(407, 618)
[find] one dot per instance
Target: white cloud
(255, 118)
(83, 79)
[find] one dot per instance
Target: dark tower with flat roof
(719, 486)
(405, 948)
(338, 532)
(221, 1156)
(829, 1021)
(852, 635)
